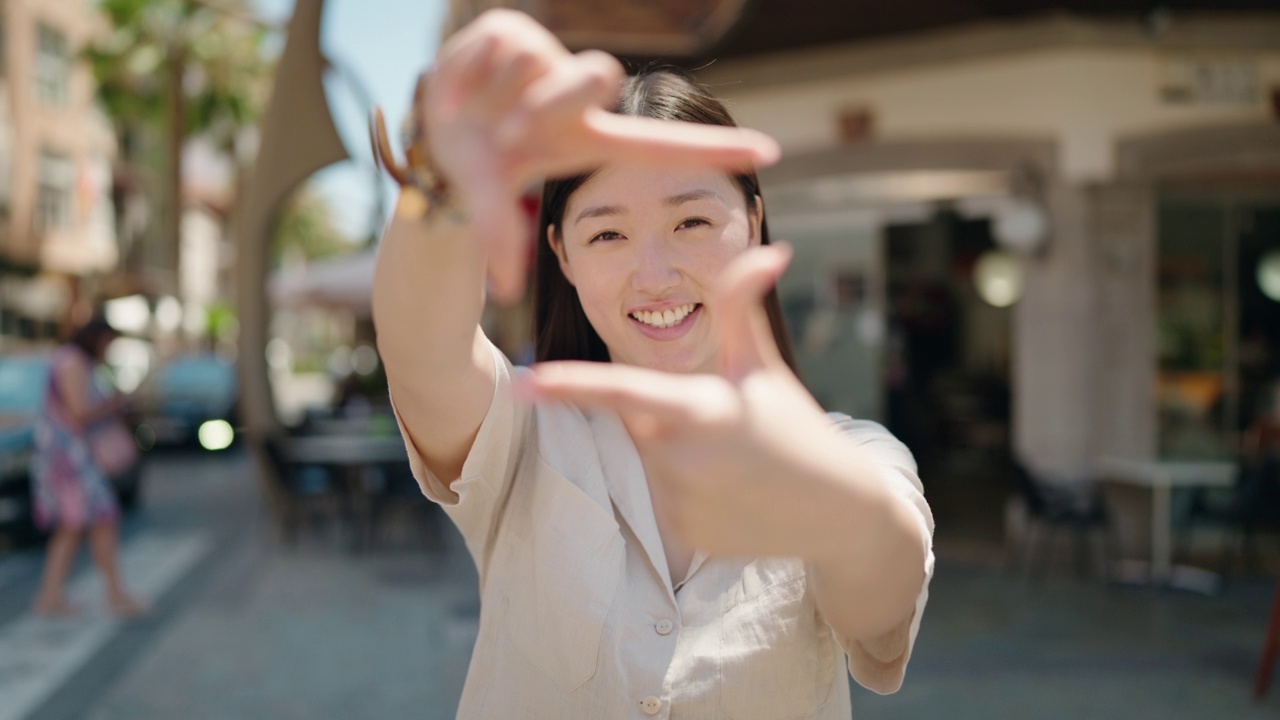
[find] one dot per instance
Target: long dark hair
(89, 337)
(561, 330)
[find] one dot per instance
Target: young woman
(73, 496)
(665, 523)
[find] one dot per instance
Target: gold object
(429, 188)
(412, 204)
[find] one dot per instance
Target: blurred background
(1039, 240)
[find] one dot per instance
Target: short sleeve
(900, 472)
(473, 501)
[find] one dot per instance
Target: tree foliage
(308, 228)
(219, 49)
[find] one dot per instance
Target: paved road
(244, 626)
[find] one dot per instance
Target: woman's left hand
(748, 462)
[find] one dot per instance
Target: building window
(1219, 332)
(53, 199)
(53, 66)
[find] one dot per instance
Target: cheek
(599, 285)
(709, 258)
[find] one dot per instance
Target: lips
(664, 318)
(667, 323)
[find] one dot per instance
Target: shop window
(54, 194)
(53, 66)
(1218, 333)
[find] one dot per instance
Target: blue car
(23, 379)
(190, 399)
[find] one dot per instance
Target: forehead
(636, 186)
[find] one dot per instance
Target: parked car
(189, 400)
(23, 379)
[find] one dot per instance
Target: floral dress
(68, 488)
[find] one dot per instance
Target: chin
(675, 362)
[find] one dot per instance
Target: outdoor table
(1161, 477)
(349, 454)
(354, 426)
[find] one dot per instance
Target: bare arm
(507, 105)
(427, 299)
(72, 379)
(754, 467)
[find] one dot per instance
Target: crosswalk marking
(38, 655)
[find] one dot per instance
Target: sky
(383, 44)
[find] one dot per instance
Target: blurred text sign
(1188, 79)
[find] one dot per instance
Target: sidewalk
(256, 630)
(312, 632)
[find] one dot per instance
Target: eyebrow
(690, 196)
(673, 201)
(598, 211)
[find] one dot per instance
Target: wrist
(415, 205)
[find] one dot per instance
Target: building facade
(1109, 128)
(1035, 236)
(56, 225)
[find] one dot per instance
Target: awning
(344, 281)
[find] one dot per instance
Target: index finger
(621, 388)
(667, 142)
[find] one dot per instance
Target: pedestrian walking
(664, 521)
(80, 441)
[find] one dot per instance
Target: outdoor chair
(1051, 512)
(303, 492)
(1241, 512)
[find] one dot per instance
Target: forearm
(105, 409)
(867, 563)
(428, 293)
(85, 416)
(427, 300)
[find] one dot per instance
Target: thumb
(746, 338)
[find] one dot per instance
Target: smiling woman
(712, 211)
(674, 526)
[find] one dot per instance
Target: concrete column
(1124, 245)
(1055, 330)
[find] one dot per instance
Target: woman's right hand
(508, 105)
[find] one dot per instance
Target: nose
(656, 270)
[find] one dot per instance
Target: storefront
(1140, 329)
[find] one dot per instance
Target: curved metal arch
(298, 137)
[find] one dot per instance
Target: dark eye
(605, 235)
(692, 222)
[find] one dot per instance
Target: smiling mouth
(667, 318)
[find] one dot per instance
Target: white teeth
(666, 318)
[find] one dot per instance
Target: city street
(244, 627)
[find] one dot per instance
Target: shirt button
(651, 705)
(664, 627)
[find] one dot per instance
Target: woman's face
(643, 247)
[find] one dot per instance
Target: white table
(1161, 477)
(349, 454)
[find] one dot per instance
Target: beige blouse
(578, 615)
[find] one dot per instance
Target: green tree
(176, 69)
(308, 228)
